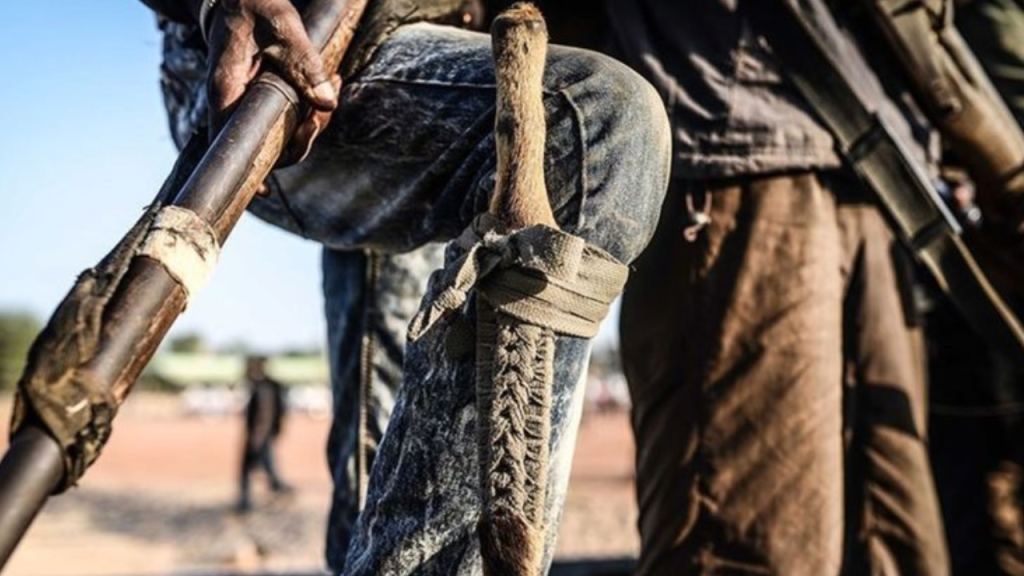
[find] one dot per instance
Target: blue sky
(84, 146)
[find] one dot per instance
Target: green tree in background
(17, 331)
(192, 343)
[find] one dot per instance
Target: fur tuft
(523, 13)
(509, 545)
(519, 39)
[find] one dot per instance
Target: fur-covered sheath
(529, 286)
(515, 361)
(532, 282)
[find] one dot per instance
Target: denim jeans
(409, 159)
(369, 300)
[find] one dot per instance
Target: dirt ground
(159, 501)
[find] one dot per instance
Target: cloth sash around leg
(531, 285)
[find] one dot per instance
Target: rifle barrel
(149, 300)
(28, 473)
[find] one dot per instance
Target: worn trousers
(409, 159)
(369, 300)
(893, 520)
(734, 349)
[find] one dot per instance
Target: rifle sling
(901, 184)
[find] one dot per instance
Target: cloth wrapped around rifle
(74, 409)
(185, 245)
(539, 275)
(55, 391)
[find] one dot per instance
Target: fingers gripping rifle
(83, 365)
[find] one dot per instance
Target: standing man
(264, 417)
(409, 158)
(770, 281)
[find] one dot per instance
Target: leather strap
(884, 163)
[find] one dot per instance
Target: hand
(244, 35)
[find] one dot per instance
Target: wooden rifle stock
(148, 300)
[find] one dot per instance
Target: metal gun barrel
(28, 473)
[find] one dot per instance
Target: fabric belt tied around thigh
(531, 285)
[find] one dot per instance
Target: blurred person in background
(264, 419)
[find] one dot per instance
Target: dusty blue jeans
(369, 299)
(409, 159)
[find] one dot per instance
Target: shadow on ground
(204, 533)
(212, 533)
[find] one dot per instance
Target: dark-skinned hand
(245, 36)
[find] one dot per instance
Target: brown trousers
(734, 350)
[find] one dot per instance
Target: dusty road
(159, 501)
